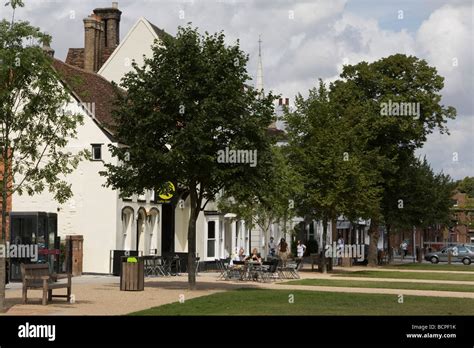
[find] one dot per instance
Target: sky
(303, 41)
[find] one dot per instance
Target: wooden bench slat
(37, 276)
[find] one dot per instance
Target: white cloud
(315, 44)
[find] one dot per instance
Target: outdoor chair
(160, 265)
(291, 269)
(237, 271)
(281, 270)
(197, 265)
(150, 266)
(270, 272)
(221, 269)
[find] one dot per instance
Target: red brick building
(463, 219)
(436, 237)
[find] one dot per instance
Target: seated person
(241, 254)
(255, 256)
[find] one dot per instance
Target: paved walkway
(386, 269)
(334, 276)
(100, 295)
(371, 290)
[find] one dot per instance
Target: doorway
(167, 229)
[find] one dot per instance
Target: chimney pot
(111, 19)
(48, 50)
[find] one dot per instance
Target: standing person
(404, 248)
(340, 247)
(283, 251)
(300, 249)
(272, 247)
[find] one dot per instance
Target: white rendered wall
(137, 42)
(91, 212)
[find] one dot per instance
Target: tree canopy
(188, 103)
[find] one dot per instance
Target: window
(96, 152)
(211, 239)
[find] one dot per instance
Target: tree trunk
(389, 245)
(195, 208)
(2, 284)
(5, 176)
(374, 239)
(323, 251)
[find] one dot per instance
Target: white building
(217, 236)
(106, 221)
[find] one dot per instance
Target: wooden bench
(37, 277)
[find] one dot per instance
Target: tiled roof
(97, 94)
(160, 32)
(75, 56)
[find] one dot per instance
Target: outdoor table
(252, 269)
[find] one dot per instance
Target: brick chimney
(111, 20)
(47, 48)
(101, 36)
(93, 31)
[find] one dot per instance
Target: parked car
(460, 253)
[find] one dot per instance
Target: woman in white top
(300, 249)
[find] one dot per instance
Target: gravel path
(96, 295)
(100, 295)
(397, 292)
(385, 269)
(394, 280)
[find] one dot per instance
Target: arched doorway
(127, 223)
(141, 228)
(154, 245)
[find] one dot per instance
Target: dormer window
(97, 152)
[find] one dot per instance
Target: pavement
(101, 295)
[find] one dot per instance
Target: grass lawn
(276, 302)
(431, 267)
(407, 275)
(382, 285)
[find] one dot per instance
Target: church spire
(259, 85)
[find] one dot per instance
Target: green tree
(186, 104)
(363, 94)
(466, 185)
(272, 203)
(34, 125)
(324, 153)
(422, 199)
